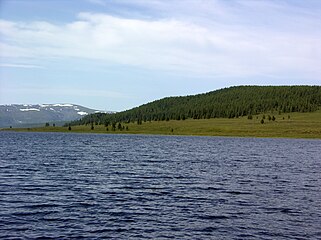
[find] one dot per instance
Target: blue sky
(115, 55)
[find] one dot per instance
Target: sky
(118, 54)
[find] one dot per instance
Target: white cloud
(215, 48)
(19, 65)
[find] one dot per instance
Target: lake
(63, 185)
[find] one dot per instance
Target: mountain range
(24, 115)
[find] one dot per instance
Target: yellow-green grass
(299, 125)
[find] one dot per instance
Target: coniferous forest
(230, 102)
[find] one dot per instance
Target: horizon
(116, 55)
(70, 103)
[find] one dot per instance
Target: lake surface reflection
(57, 185)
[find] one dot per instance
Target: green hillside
(289, 125)
(230, 102)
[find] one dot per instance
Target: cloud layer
(199, 45)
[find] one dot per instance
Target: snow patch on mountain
(62, 105)
(23, 114)
(82, 113)
(29, 109)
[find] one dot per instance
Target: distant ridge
(22, 115)
(223, 103)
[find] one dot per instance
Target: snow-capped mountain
(21, 115)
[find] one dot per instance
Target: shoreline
(298, 126)
(307, 137)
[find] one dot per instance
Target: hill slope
(18, 115)
(224, 103)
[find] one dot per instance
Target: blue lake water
(62, 186)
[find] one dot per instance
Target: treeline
(230, 102)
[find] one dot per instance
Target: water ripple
(87, 186)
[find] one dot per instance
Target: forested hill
(224, 103)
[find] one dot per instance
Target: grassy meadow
(293, 125)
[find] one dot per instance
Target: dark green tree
(230, 102)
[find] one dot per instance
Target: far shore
(294, 125)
